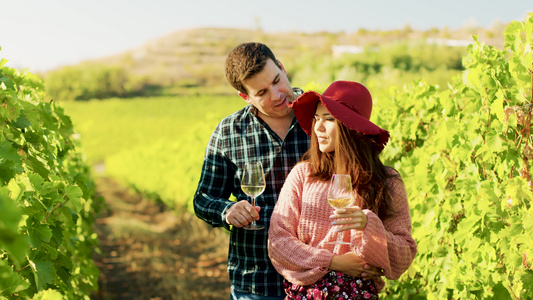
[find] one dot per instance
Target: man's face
(270, 91)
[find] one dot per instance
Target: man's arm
(211, 200)
(211, 210)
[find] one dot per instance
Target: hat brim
(305, 107)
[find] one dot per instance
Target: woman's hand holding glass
(352, 217)
(340, 195)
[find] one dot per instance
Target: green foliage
(155, 145)
(390, 64)
(46, 197)
(89, 81)
(465, 153)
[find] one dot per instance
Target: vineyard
(465, 154)
(46, 197)
(464, 151)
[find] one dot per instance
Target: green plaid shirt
(238, 138)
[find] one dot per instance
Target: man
(266, 131)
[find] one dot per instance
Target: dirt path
(148, 252)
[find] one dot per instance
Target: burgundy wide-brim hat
(349, 102)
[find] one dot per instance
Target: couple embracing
(302, 140)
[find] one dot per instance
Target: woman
(378, 225)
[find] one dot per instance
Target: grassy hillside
(191, 61)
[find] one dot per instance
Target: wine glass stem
(339, 234)
(339, 237)
(253, 207)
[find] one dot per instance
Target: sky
(40, 35)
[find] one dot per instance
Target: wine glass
(253, 185)
(340, 195)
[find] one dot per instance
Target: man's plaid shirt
(238, 138)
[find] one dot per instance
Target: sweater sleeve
(389, 244)
(294, 260)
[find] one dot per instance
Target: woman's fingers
(347, 213)
(353, 217)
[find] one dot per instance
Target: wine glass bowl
(253, 184)
(340, 195)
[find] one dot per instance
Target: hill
(192, 61)
(195, 57)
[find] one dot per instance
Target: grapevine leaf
(10, 238)
(497, 108)
(39, 233)
(57, 235)
(49, 295)
(64, 261)
(527, 221)
(37, 166)
(68, 216)
(494, 142)
(35, 180)
(512, 32)
(10, 282)
(465, 228)
(10, 162)
(74, 193)
(8, 153)
(22, 122)
(527, 278)
(64, 274)
(9, 212)
(501, 293)
(51, 199)
(44, 274)
(15, 189)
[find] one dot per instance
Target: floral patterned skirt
(334, 285)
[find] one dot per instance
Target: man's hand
(350, 264)
(242, 213)
(352, 217)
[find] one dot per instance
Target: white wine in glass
(253, 184)
(340, 195)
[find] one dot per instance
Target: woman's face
(325, 129)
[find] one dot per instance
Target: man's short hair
(245, 61)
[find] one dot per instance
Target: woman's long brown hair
(357, 155)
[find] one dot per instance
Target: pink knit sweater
(301, 229)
